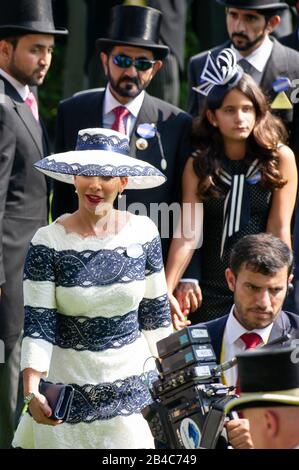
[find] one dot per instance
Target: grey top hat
(254, 4)
(28, 16)
(135, 26)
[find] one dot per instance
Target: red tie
(251, 340)
(31, 102)
(120, 113)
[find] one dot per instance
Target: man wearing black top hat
(159, 132)
(269, 384)
(272, 65)
(26, 44)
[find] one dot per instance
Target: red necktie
(251, 340)
(31, 102)
(120, 113)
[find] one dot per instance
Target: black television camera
(189, 398)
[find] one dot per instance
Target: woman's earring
(120, 195)
(76, 192)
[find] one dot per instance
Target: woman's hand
(40, 411)
(189, 296)
(179, 319)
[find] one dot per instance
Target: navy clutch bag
(59, 397)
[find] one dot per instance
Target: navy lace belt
(80, 332)
(107, 400)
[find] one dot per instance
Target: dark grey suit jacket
(84, 110)
(23, 202)
(286, 322)
(283, 61)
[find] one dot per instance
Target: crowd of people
(136, 184)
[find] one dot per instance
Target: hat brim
(14, 29)
(271, 6)
(159, 51)
(64, 166)
(256, 400)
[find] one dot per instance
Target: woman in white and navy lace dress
(241, 174)
(95, 304)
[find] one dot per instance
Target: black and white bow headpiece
(224, 71)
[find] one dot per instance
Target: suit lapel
(33, 127)
(216, 331)
(280, 327)
(276, 66)
(148, 114)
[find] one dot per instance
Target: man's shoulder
(167, 108)
(214, 326)
(201, 56)
(283, 51)
(292, 317)
(82, 98)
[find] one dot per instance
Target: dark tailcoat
(84, 110)
(23, 203)
(292, 40)
(283, 61)
(286, 322)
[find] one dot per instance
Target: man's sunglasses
(124, 62)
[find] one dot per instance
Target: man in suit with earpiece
(259, 273)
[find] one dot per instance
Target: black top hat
(268, 377)
(254, 4)
(28, 16)
(135, 26)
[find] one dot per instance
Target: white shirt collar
(260, 56)
(234, 329)
(133, 106)
(23, 90)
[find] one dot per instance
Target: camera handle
(214, 422)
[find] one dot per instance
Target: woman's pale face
(236, 117)
(97, 191)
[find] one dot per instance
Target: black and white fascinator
(219, 76)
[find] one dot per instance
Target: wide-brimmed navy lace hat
(101, 152)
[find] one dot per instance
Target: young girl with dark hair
(243, 174)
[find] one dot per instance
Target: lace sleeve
(154, 311)
(39, 306)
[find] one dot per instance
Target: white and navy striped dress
(94, 310)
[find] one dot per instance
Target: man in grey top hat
(26, 44)
(272, 65)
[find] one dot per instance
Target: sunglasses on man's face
(124, 62)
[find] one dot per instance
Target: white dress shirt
(133, 106)
(259, 57)
(233, 345)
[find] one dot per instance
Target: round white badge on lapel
(141, 144)
(163, 164)
(135, 250)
